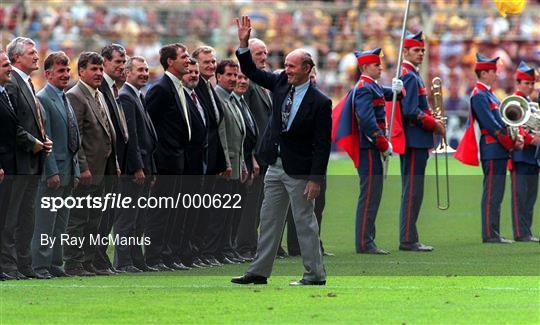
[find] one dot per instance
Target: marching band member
(524, 166)
(495, 146)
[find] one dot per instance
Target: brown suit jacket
(98, 144)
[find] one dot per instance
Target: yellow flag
(512, 7)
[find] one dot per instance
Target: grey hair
(255, 40)
(129, 61)
(16, 47)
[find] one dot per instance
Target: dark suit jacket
(197, 148)
(216, 157)
(260, 106)
(165, 110)
(305, 147)
(252, 134)
(142, 142)
(118, 120)
(28, 163)
(11, 135)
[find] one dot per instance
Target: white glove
(397, 85)
(388, 151)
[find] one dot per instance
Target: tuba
(442, 148)
(516, 111)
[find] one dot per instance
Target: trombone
(443, 200)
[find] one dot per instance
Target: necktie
(216, 111)
(245, 107)
(38, 111)
(6, 97)
(141, 97)
(103, 114)
(286, 112)
(115, 91)
(72, 126)
(199, 108)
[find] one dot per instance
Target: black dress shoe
(89, 268)
(161, 267)
(212, 261)
(415, 247)
(115, 270)
(178, 266)
(104, 272)
(246, 258)
(15, 275)
(226, 260)
(58, 272)
(28, 273)
(79, 271)
(375, 251)
(43, 274)
(305, 282)
(129, 269)
(200, 262)
(528, 238)
(497, 240)
(146, 268)
(249, 278)
(4, 277)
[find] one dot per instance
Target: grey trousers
(53, 224)
(279, 190)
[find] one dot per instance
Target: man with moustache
(61, 172)
(114, 59)
(226, 75)
(97, 159)
(246, 226)
(19, 227)
(196, 162)
(140, 167)
(218, 163)
(166, 105)
(12, 135)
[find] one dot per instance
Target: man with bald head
(296, 147)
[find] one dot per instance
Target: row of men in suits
(185, 136)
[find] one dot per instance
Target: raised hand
(244, 30)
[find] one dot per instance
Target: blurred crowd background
(332, 30)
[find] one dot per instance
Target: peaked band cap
(414, 40)
(525, 72)
(368, 57)
(483, 63)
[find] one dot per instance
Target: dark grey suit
(140, 148)
(116, 113)
(12, 135)
(19, 227)
(62, 162)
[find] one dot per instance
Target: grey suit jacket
(61, 161)
(235, 130)
(98, 144)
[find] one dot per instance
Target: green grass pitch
(462, 281)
